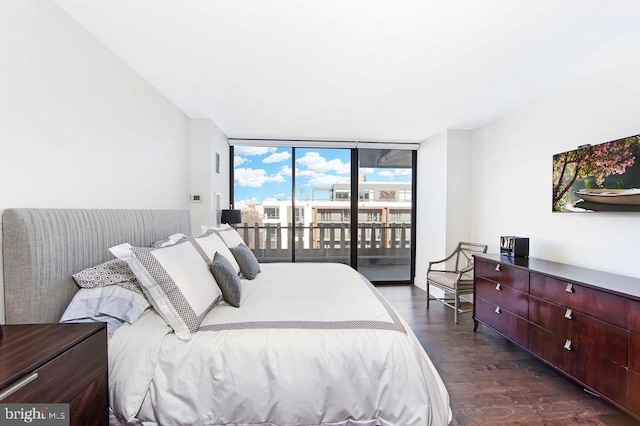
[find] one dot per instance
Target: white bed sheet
(311, 344)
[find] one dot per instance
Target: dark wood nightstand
(57, 363)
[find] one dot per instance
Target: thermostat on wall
(196, 198)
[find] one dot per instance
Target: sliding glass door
(385, 214)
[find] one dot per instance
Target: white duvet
(311, 344)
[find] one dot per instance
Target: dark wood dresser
(57, 363)
(583, 322)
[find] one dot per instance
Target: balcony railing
(330, 242)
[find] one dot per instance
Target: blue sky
(262, 172)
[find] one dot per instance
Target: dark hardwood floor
(492, 381)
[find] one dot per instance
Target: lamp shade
(231, 216)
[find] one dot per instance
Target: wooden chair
(456, 281)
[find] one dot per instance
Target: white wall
(458, 188)
(443, 197)
(207, 140)
(78, 128)
(512, 167)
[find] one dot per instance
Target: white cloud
(395, 173)
(240, 204)
(313, 161)
(255, 178)
(277, 157)
(365, 173)
(319, 179)
(239, 160)
(286, 171)
(253, 150)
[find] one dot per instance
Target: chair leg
(455, 311)
(428, 294)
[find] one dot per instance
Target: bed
(309, 344)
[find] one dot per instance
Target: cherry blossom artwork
(603, 177)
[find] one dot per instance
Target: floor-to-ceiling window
(322, 182)
(298, 204)
(262, 182)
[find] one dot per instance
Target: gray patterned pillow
(227, 279)
(249, 265)
(112, 272)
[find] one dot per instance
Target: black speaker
(514, 246)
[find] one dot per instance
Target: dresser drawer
(634, 317)
(604, 306)
(502, 320)
(66, 376)
(503, 274)
(634, 338)
(578, 360)
(607, 377)
(634, 352)
(558, 351)
(633, 392)
(609, 341)
(504, 296)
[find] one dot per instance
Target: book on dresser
(583, 322)
(57, 364)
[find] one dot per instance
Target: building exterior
(323, 221)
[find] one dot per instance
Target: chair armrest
(466, 269)
(434, 262)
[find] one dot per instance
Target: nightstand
(57, 363)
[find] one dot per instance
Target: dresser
(583, 322)
(57, 363)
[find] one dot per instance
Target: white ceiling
(366, 70)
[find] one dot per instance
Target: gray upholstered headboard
(42, 248)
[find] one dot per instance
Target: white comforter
(311, 344)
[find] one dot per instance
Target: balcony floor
(386, 272)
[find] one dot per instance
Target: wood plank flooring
(492, 381)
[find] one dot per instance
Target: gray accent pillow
(112, 272)
(227, 279)
(249, 265)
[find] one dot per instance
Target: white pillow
(228, 234)
(211, 244)
(205, 228)
(176, 280)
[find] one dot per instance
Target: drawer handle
(568, 314)
(567, 345)
(18, 385)
(498, 287)
(498, 310)
(569, 288)
(498, 268)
